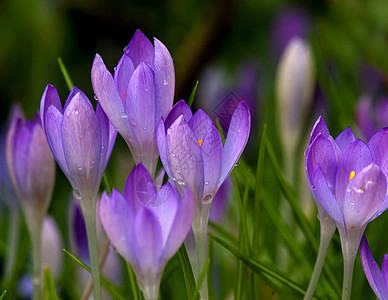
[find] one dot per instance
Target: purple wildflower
(139, 94)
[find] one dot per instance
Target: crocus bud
(31, 168)
(295, 83)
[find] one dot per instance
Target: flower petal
(384, 272)
(364, 120)
(378, 145)
(110, 101)
(200, 124)
(345, 138)
(140, 49)
(139, 189)
(181, 108)
(319, 128)
(117, 219)
(364, 195)
(74, 91)
(325, 196)
(182, 223)
(123, 73)
(147, 242)
(50, 97)
(354, 159)
(185, 160)
(236, 139)
(161, 141)
(372, 270)
(164, 80)
(140, 107)
(81, 134)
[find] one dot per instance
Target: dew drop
(68, 113)
(95, 97)
(133, 122)
(77, 194)
(103, 148)
(79, 168)
(180, 181)
(165, 82)
(124, 115)
(239, 130)
(206, 182)
(173, 154)
(169, 131)
(115, 69)
(236, 163)
(76, 113)
(207, 199)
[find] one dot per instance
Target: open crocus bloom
(139, 94)
(378, 279)
(348, 179)
(147, 227)
(191, 149)
(80, 138)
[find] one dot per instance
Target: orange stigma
(125, 96)
(352, 174)
(200, 142)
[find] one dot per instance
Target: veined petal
(384, 273)
(50, 97)
(53, 123)
(378, 145)
(185, 160)
(325, 196)
(147, 242)
(364, 195)
(159, 179)
(140, 49)
(139, 189)
(181, 108)
(181, 225)
(117, 220)
(345, 138)
(74, 91)
(164, 80)
(81, 134)
(236, 139)
(319, 128)
(110, 101)
(140, 107)
(372, 270)
(354, 159)
(161, 140)
(123, 73)
(200, 124)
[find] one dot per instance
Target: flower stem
(327, 231)
(200, 223)
(13, 240)
(89, 214)
(35, 234)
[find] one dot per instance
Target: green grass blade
(187, 271)
(2, 295)
(132, 279)
(49, 285)
(201, 278)
(192, 95)
(65, 74)
(226, 234)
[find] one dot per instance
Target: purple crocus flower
(348, 181)
(139, 94)
(147, 227)
(378, 279)
(80, 138)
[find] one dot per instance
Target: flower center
(352, 174)
(200, 142)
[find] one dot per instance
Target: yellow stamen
(200, 142)
(352, 174)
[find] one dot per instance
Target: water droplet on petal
(76, 113)
(77, 194)
(165, 82)
(124, 115)
(115, 69)
(68, 113)
(236, 163)
(95, 97)
(239, 130)
(169, 131)
(79, 168)
(180, 181)
(206, 182)
(173, 154)
(207, 199)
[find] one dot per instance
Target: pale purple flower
(139, 94)
(378, 279)
(145, 226)
(80, 138)
(52, 253)
(191, 149)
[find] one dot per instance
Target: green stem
(37, 281)
(13, 240)
(200, 223)
(89, 214)
(327, 230)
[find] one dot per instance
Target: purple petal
(364, 120)
(147, 242)
(384, 273)
(140, 107)
(159, 179)
(181, 108)
(110, 101)
(14, 126)
(345, 138)
(74, 91)
(123, 73)
(378, 145)
(164, 80)
(372, 270)
(53, 124)
(50, 97)
(325, 196)
(82, 143)
(355, 158)
(364, 195)
(221, 201)
(212, 153)
(117, 219)
(319, 128)
(185, 160)
(139, 189)
(200, 124)
(140, 49)
(161, 141)
(182, 223)
(236, 139)
(321, 152)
